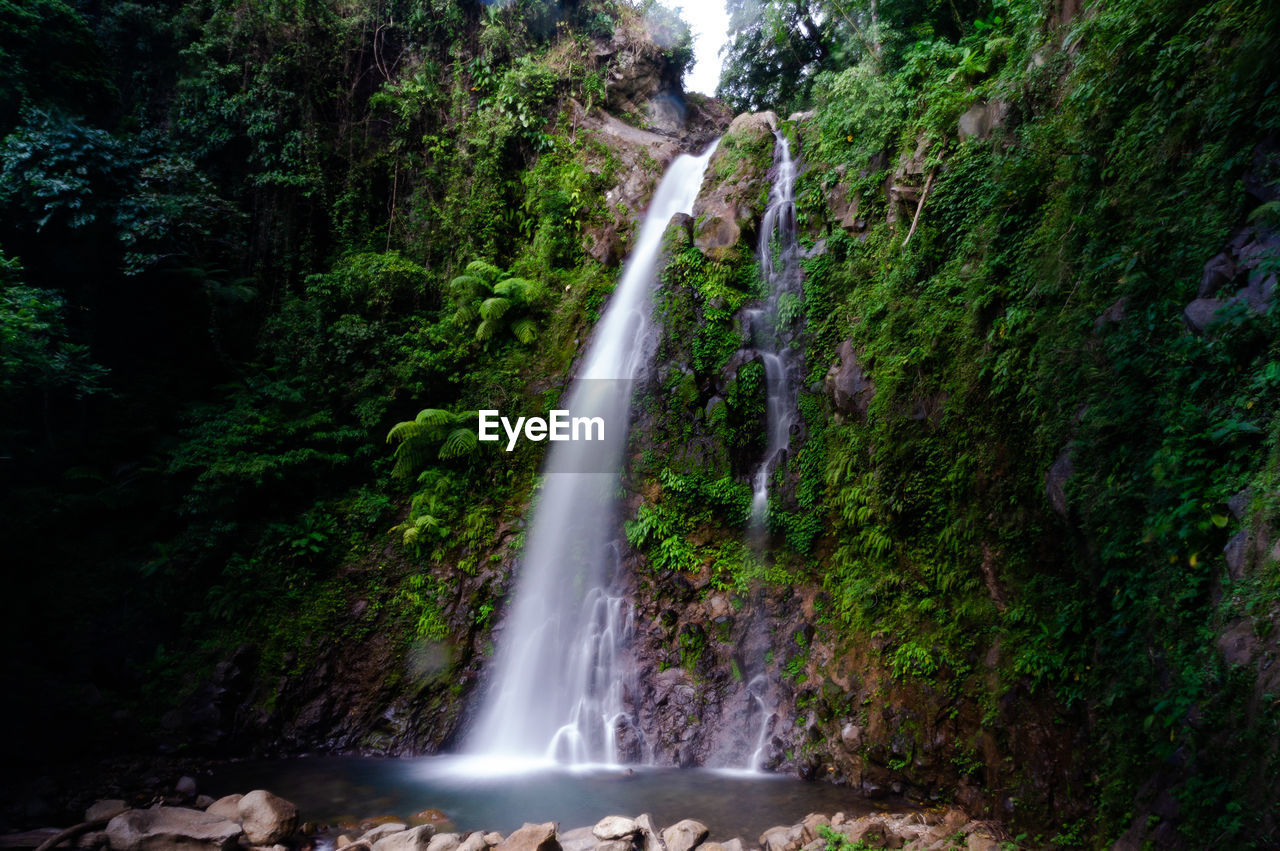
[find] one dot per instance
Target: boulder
(811, 823)
(532, 837)
(228, 807)
(266, 818)
(731, 845)
(981, 842)
(649, 831)
(850, 388)
(107, 808)
(627, 844)
(439, 842)
(418, 838)
(492, 839)
(171, 829)
(782, 838)
(1200, 314)
(377, 832)
(473, 842)
(685, 835)
(578, 839)
(186, 786)
(980, 119)
(615, 827)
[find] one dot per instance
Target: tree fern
(434, 434)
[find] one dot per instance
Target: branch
(916, 218)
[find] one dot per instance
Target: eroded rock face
(171, 829)
(735, 187)
(849, 386)
(685, 835)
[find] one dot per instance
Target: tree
(434, 431)
(498, 300)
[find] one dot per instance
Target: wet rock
(850, 388)
(1201, 314)
(684, 835)
(981, 118)
(1237, 554)
(266, 818)
(729, 202)
(186, 786)
(981, 842)
(578, 839)
(851, 737)
(228, 807)
(810, 826)
(107, 808)
(1055, 481)
(1218, 272)
(377, 832)
(532, 837)
(782, 838)
(171, 829)
(650, 833)
(441, 841)
(418, 838)
(615, 827)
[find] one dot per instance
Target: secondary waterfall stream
(771, 326)
(561, 674)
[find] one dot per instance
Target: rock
(186, 786)
(850, 388)
(266, 818)
(204, 801)
(981, 842)
(532, 837)
(731, 845)
(417, 838)
(428, 816)
(870, 831)
(730, 200)
(343, 841)
(851, 738)
(1237, 553)
(1055, 481)
(1113, 315)
(652, 836)
(439, 842)
(844, 203)
(685, 835)
(1239, 503)
(228, 807)
(578, 839)
(1200, 314)
(615, 827)
(782, 838)
(810, 826)
(377, 832)
(93, 839)
(1218, 272)
(492, 839)
(981, 118)
(617, 845)
(473, 842)
(171, 829)
(107, 808)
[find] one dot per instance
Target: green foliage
(498, 300)
(434, 432)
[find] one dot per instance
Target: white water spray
(562, 676)
(770, 325)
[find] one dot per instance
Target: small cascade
(756, 690)
(560, 686)
(771, 326)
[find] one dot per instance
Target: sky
(710, 23)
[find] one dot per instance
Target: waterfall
(561, 675)
(770, 325)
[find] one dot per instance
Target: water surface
(476, 795)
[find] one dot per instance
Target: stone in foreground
(685, 835)
(532, 837)
(171, 829)
(419, 838)
(266, 818)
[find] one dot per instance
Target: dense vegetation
(245, 247)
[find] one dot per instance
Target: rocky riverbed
(263, 821)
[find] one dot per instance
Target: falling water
(770, 325)
(561, 676)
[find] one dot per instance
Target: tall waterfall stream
(560, 680)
